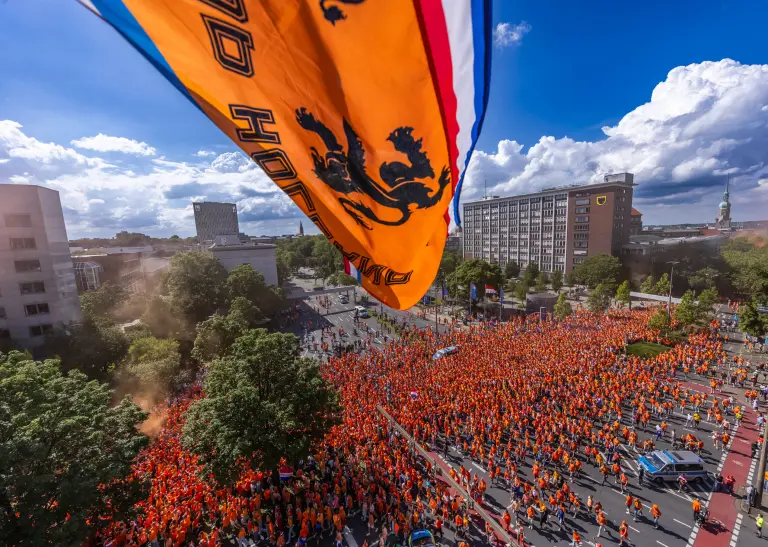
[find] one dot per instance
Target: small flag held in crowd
(286, 473)
(414, 395)
(490, 290)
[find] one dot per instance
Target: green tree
(283, 264)
(92, 346)
(570, 278)
(599, 269)
(155, 364)
(511, 269)
(751, 321)
(196, 283)
(556, 280)
(622, 293)
(599, 298)
(521, 292)
(216, 335)
(61, 439)
(531, 273)
(263, 402)
(704, 278)
(243, 281)
(541, 282)
(476, 271)
(707, 301)
(748, 261)
(562, 307)
(326, 259)
(448, 264)
(243, 311)
(659, 321)
(662, 285)
(100, 303)
(340, 279)
(686, 312)
(648, 285)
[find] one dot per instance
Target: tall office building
(37, 286)
(215, 219)
(557, 228)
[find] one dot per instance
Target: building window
(39, 330)
(582, 244)
(2, 313)
(36, 309)
(33, 287)
(23, 243)
(578, 260)
(5, 334)
(581, 228)
(584, 201)
(582, 219)
(18, 221)
(27, 266)
(582, 210)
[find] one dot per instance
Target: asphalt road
(676, 522)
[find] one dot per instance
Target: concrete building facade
(557, 228)
(214, 219)
(231, 253)
(37, 283)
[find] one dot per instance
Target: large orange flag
(364, 112)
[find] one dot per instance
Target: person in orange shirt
(655, 513)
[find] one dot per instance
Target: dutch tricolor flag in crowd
(350, 270)
(490, 290)
(286, 473)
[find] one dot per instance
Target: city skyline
(84, 114)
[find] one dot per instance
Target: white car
(361, 311)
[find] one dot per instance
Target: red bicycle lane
(723, 507)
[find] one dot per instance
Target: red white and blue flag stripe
(350, 270)
(490, 290)
(461, 71)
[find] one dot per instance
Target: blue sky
(577, 67)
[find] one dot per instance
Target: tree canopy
(599, 298)
(556, 280)
(244, 281)
(749, 264)
(599, 269)
(562, 307)
(511, 269)
(60, 439)
(659, 321)
(195, 284)
(476, 271)
(751, 321)
(263, 402)
(93, 346)
(448, 264)
(100, 303)
(623, 293)
(156, 365)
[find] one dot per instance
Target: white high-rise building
(37, 281)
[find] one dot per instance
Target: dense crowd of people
(532, 402)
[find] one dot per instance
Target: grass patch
(646, 349)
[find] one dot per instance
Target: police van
(667, 465)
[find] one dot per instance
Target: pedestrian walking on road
(655, 513)
(759, 521)
(640, 474)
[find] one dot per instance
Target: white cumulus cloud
(706, 121)
(106, 143)
(205, 153)
(508, 34)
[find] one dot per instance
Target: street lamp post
(671, 277)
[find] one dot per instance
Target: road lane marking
(657, 541)
(683, 523)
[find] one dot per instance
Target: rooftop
(558, 190)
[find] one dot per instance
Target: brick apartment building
(557, 228)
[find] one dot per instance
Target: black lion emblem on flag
(332, 11)
(345, 173)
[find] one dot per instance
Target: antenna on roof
(485, 194)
